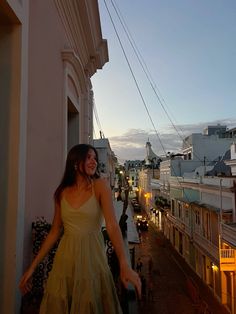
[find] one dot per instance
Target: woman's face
(90, 164)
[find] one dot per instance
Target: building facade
(107, 159)
(207, 147)
(194, 204)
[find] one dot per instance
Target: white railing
(227, 260)
(227, 253)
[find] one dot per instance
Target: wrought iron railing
(40, 229)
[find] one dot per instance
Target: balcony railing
(180, 224)
(128, 299)
(227, 260)
(206, 245)
(129, 302)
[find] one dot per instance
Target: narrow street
(169, 293)
(169, 276)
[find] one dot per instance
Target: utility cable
(134, 78)
(140, 93)
(143, 64)
(97, 120)
(147, 72)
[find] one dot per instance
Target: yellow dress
(80, 281)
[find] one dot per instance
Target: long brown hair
(74, 162)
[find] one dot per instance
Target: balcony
(180, 224)
(227, 260)
(210, 249)
(128, 298)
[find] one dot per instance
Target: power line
(140, 93)
(134, 78)
(143, 63)
(97, 120)
(147, 72)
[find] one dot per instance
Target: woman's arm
(114, 232)
(50, 240)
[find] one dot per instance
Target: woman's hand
(127, 275)
(25, 284)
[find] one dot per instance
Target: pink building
(48, 52)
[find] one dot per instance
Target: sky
(183, 80)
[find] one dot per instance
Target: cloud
(131, 145)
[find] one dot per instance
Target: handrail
(227, 253)
(209, 246)
(128, 299)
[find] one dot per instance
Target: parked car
(137, 208)
(142, 224)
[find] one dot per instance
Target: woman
(80, 281)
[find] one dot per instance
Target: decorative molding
(76, 71)
(81, 21)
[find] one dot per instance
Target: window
(207, 226)
(197, 217)
(179, 210)
(173, 207)
(186, 213)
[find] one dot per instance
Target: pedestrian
(119, 198)
(150, 289)
(143, 281)
(80, 280)
(139, 265)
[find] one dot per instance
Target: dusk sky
(188, 50)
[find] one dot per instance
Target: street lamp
(147, 196)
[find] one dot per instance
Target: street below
(168, 294)
(165, 289)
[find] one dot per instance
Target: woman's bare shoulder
(100, 183)
(65, 191)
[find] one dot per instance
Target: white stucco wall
(208, 147)
(13, 100)
(40, 68)
(47, 110)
